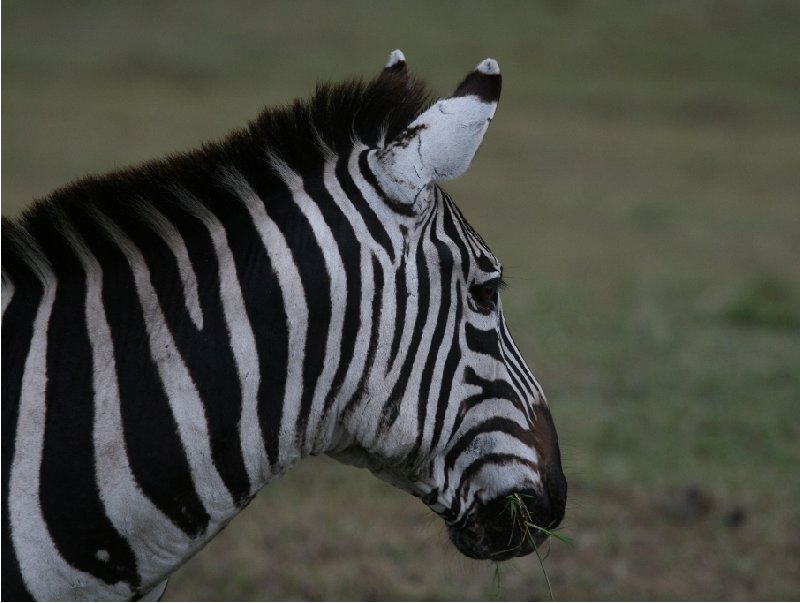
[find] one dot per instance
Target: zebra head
(183, 332)
(460, 421)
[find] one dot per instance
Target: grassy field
(641, 183)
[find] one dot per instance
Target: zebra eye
(485, 295)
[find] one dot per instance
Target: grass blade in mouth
(521, 517)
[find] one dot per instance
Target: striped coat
(178, 334)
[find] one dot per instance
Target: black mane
(336, 115)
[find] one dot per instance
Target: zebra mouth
(502, 529)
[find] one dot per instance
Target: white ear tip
(488, 67)
(396, 57)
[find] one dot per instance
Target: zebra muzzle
(510, 526)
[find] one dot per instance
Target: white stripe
(351, 213)
(369, 249)
(390, 320)
(378, 204)
(243, 343)
(498, 442)
(294, 301)
(437, 227)
(157, 543)
(170, 235)
(398, 437)
(184, 399)
(47, 575)
(522, 364)
(317, 439)
(437, 386)
(491, 481)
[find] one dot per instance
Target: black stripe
(400, 207)
(449, 219)
(350, 252)
(513, 376)
(467, 440)
(17, 332)
(526, 408)
(377, 272)
(261, 292)
(516, 369)
(448, 375)
(263, 301)
(316, 283)
(391, 407)
(469, 231)
(155, 453)
(68, 493)
(485, 264)
(445, 278)
(400, 316)
(473, 401)
(483, 342)
(495, 458)
(524, 372)
(207, 354)
(376, 229)
(498, 389)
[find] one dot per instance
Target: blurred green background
(640, 183)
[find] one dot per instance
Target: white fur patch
(396, 57)
(488, 67)
(439, 145)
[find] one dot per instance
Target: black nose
(512, 525)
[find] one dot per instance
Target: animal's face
(497, 475)
(485, 452)
(462, 423)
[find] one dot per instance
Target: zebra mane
(300, 135)
(340, 115)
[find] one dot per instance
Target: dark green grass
(640, 184)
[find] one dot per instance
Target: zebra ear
(396, 63)
(440, 144)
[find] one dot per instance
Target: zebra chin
(503, 529)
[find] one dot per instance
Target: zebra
(178, 334)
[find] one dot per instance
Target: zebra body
(177, 335)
